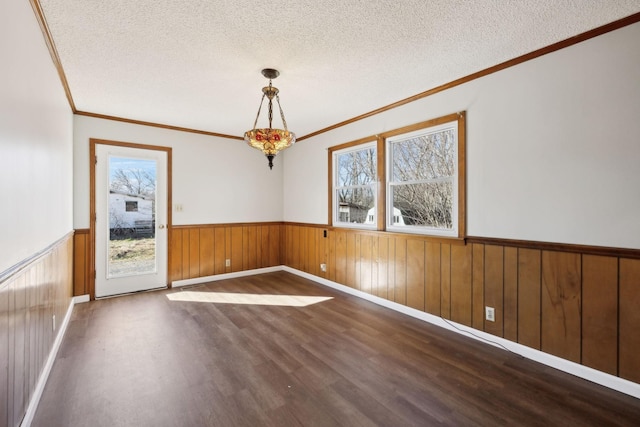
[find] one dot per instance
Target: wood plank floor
(148, 360)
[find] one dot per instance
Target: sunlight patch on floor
(249, 299)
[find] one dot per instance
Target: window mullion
(381, 187)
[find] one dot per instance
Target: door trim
(92, 204)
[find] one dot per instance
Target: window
(355, 186)
(422, 180)
(131, 206)
(423, 169)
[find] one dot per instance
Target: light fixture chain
(270, 109)
(255, 123)
(284, 122)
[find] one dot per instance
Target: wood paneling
(274, 245)
(305, 241)
(510, 294)
(227, 249)
(391, 273)
(350, 270)
(529, 279)
(30, 297)
(202, 250)
(461, 289)
(477, 283)
(382, 284)
(295, 247)
(206, 252)
(314, 237)
(220, 254)
(494, 287)
(264, 250)
(415, 274)
(81, 262)
(366, 261)
(237, 252)
(562, 302)
(561, 320)
(629, 367)
(600, 313)
(339, 270)
(445, 281)
(432, 279)
(186, 253)
(400, 293)
(194, 253)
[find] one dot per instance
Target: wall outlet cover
(490, 314)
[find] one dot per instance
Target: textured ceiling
(196, 63)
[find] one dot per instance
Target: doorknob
(161, 226)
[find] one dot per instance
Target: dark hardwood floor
(147, 360)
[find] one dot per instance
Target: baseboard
(81, 299)
(46, 370)
(584, 372)
(205, 279)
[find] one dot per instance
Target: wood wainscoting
(31, 294)
(81, 263)
(202, 250)
(575, 302)
(197, 251)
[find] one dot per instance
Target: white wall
(216, 180)
(35, 140)
(553, 147)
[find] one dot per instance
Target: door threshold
(124, 294)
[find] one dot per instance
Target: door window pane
(132, 200)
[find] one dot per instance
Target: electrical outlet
(179, 207)
(323, 267)
(490, 314)
(227, 263)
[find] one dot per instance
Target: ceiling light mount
(270, 73)
(269, 140)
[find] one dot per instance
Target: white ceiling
(196, 63)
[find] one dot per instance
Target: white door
(131, 219)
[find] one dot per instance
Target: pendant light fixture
(269, 140)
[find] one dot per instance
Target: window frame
(390, 183)
(334, 153)
(382, 207)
